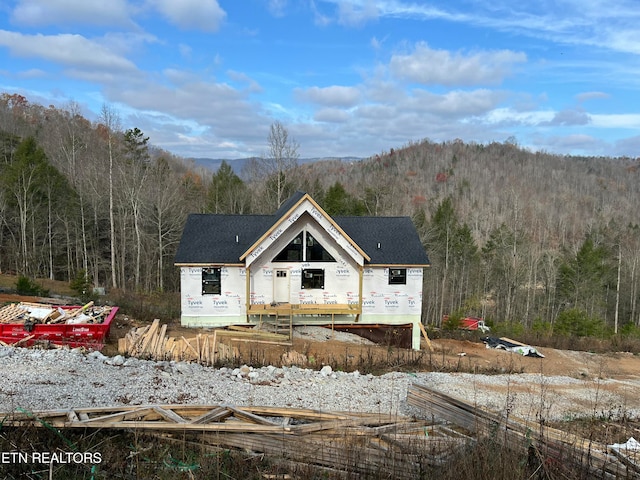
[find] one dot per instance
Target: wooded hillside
(513, 235)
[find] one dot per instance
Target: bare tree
(282, 155)
(111, 122)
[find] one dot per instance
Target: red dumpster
(90, 332)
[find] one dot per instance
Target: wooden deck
(304, 309)
(282, 316)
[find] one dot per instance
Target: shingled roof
(222, 239)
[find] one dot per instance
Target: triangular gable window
(304, 248)
(316, 252)
(292, 252)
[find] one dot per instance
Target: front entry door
(281, 290)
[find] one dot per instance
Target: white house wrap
(342, 270)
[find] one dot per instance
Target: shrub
(576, 322)
(542, 328)
(26, 286)
(453, 322)
(82, 286)
(630, 330)
(509, 329)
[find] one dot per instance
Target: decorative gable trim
(305, 204)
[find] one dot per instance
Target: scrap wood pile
(26, 313)
(549, 445)
(154, 343)
(358, 444)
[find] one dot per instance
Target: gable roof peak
(289, 203)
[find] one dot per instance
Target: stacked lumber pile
(42, 313)
(549, 445)
(351, 444)
(153, 343)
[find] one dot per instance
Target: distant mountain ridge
(213, 164)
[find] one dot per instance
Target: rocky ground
(560, 386)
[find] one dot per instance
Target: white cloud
(67, 50)
(582, 97)
(575, 142)
(626, 145)
(337, 96)
(204, 15)
(50, 12)
(219, 108)
(252, 85)
(510, 117)
(457, 103)
(277, 7)
(32, 73)
(331, 115)
(357, 13)
(613, 120)
(575, 116)
(439, 67)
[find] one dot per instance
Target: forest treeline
(531, 238)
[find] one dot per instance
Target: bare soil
(444, 355)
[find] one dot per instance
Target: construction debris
(364, 444)
(26, 323)
(153, 343)
(27, 313)
(548, 444)
(513, 346)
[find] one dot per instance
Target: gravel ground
(53, 379)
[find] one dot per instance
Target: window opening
(315, 252)
(312, 278)
(211, 281)
(308, 251)
(397, 276)
(292, 252)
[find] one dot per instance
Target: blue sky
(207, 78)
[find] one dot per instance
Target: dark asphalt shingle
(222, 239)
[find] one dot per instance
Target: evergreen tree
(23, 185)
(584, 279)
(338, 201)
(227, 192)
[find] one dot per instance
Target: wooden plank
(250, 417)
(169, 415)
(143, 339)
(426, 337)
(190, 347)
(251, 334)
(159, 347)
(23, 341)
(268, 342)
(213, 347)
(118, 416)
(214, 415)
(513, 430)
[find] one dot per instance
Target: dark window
(313, 251)
(312, 278)
(316, 252)
(397, 276)
(292, 252)
(211, 284)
